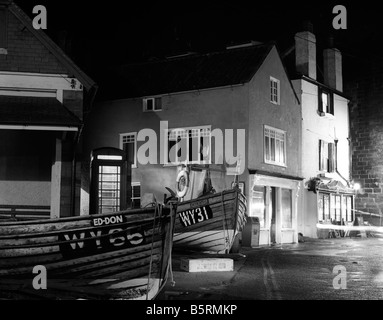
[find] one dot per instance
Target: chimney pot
(332, 65)
(305, 53)
(330, 42)
(332, 68)
(308, 26)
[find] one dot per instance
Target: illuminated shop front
(335, 205)
(274, 201)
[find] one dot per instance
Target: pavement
(302, 271)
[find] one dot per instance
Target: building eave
(319, 84)
(275, 174)
(86, 81)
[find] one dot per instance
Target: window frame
(155, 100)
(326, 164)
(279, 131)
(344, 210)
(272, 94)
(135, 184)
(188, 129)
(4, 30)
(122, 136)
(330, 106)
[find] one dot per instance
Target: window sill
(276, 164)
(148, 111)
(326, 174)
(183, 163)
(325, 115)
(275, 103)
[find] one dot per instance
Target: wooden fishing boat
(211, 222)
(120, 255)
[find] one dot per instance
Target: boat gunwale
(79, 218)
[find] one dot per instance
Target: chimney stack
(332, 65)
(305, 52)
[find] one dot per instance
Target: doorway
(273, 214)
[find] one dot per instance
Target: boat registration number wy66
(108, 233)
(195, 215)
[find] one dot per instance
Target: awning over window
(329, 185)
(36, 113)
(334, 186)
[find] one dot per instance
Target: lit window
(274, 90)
(349, 208)
(128, 143)
(323, 207)
(335, 208)
(275, 146)
(326, 102)
(152, 104)
(326, 156)
(190, 145)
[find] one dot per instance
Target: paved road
(289, 272)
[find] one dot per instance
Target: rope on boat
(169, 266)
(157, 209)
(225, 228)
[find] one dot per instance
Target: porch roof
(35, 111)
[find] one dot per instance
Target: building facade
(365, 91)
(328, 196)
(42, 99)
(234, 109)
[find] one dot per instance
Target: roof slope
(51, 46)
(194, 72)
(18, 110)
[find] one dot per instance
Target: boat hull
(122, 255)
(211, 223)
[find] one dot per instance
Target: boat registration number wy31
(195, 215)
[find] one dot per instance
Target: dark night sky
(116, 32)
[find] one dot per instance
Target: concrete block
(207, 264)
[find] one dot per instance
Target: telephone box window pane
(109, 188)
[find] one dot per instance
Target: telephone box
(110, 181)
